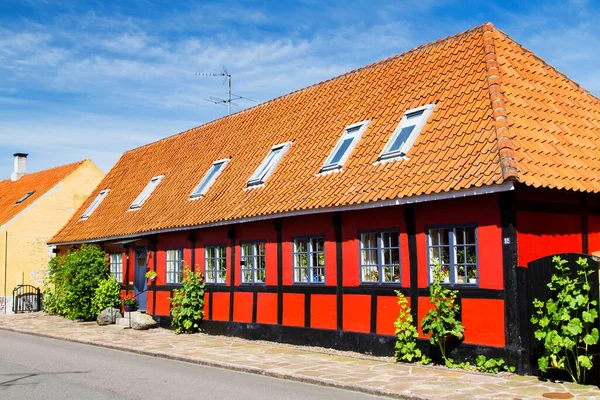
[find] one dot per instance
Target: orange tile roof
(40, 182)
(501, 114)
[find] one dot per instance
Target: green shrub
(566, 321)
(440, 322)
(406, 335)
(72, 281)
(492, 365)
(107, 294)
(187, 303)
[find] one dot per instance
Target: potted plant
(472, 275)
(129, 302)
(151, 275)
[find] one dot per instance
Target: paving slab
(351, 371)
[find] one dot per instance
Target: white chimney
(20, 168)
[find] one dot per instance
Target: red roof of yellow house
(501, 114)
(38, 182)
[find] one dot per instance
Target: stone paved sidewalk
(351, 371)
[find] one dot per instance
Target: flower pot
(129, 307)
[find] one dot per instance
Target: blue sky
(94, 79)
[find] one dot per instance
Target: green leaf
(543, 364)
(585, 362)
(574, 326)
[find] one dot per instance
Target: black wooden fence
(535, 281)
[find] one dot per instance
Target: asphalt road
(40, 368)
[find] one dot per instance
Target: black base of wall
(365, 343)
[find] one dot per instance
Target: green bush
(107, 295)
(406, 335)
(187, 303)
(566, 322)
(72, 281)
(440, 322)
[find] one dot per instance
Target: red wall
(310, 225)
(481, 210)
(543, 234)
(356, 315)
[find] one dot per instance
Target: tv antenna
(230, 96)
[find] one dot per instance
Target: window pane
(471, 257)
(444, 236)
(341, 151)
(402, 137)
(470, 234)
(301, 260)
(369, 257)
(301, 245)
(369, 240)
(434, 237)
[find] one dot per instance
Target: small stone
(142, 322)
(108, 316)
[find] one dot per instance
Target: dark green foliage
(566, 322)
(440, 322)
(72, 281)
(187, 303)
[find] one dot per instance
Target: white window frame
(262, 173)
(25, 197)
(453, 262)
(255, 263)
(116, 266)
(206, 183)
(355, 135)
(174, 266)
(216, 275)
(401, 152)
(311, 269)
(146, 192)
(101, 196)
(380, 266)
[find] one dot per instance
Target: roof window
(406, 133)
(95, 204)
(268, 165)
(146, 192)
(25, 197)
(209, 178)
(344, 146)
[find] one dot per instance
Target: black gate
(26, 298)
(539, 273)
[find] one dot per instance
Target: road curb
(232, 367)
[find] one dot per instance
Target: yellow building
(33, 207)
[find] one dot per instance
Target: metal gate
(539, 273)
(26, 298)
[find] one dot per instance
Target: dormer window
(406, 133)
(95, 204)
(209, 178)
(25, 197)
(146, 192)
(268, 165)
(344, 146)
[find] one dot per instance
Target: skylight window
(210, 177)
(146, 192)
(95, 204)
(344, 146)
(268, 165)
(406, 133)
(25, 197)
